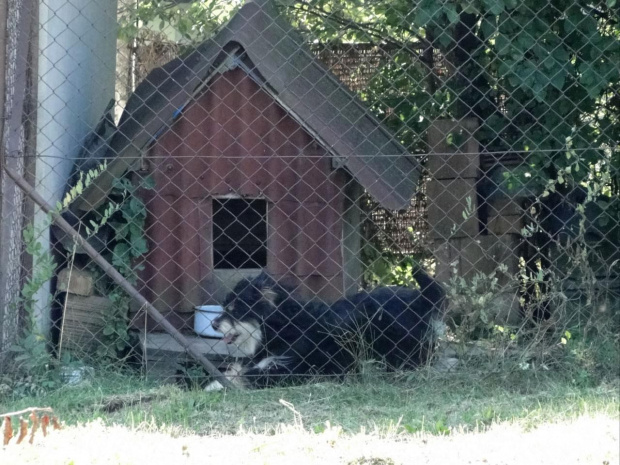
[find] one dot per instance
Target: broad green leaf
(558, 80)
(495, 7)
(451, 13)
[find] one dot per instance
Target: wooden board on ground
(83, 322)
(164, 358)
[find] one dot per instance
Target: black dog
(290, 341)
(394, 324)
(286, 339)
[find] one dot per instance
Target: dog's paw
(214, 386)
(234, 374)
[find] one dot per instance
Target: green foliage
(535, 74)
(194, 376)
(34, 367)
(472, 312)
(129, 226)
(192, 21)
(84, 180)
(386, 269)
(43, 269)
(589, 359)
(33, 363)
(126, 213)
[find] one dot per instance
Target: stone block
(482, 254)
(442, 253)
(75, 281)
(504, 206)
(485, 253)
(505, 224)
(447, 201)
(453, 150)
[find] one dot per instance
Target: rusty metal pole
(118, 278)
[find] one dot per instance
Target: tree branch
(26, 410)
(367, 27)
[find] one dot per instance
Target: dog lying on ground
(289, 340)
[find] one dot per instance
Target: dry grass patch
(586, 439)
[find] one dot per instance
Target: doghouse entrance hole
(239, 233)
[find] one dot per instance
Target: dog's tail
(431, 290)
(435, 294)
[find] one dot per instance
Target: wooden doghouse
(259, 156)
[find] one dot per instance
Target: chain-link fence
(285, 191)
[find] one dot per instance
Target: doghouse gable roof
(289, 72)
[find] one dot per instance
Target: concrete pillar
(77, 62)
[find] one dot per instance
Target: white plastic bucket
(203, 317)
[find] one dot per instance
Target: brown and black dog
(289, 340)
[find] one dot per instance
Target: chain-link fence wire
(337, 147)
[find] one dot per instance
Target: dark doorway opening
(239, 233)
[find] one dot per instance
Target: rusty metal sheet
(275, 53)
(234, 140)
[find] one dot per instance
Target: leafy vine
(129, 244)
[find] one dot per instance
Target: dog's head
(246, 308)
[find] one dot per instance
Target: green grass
(434, 405)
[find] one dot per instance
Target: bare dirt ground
(585, 440)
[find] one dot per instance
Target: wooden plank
(164, 358)
(203, 345)
(83, 322)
